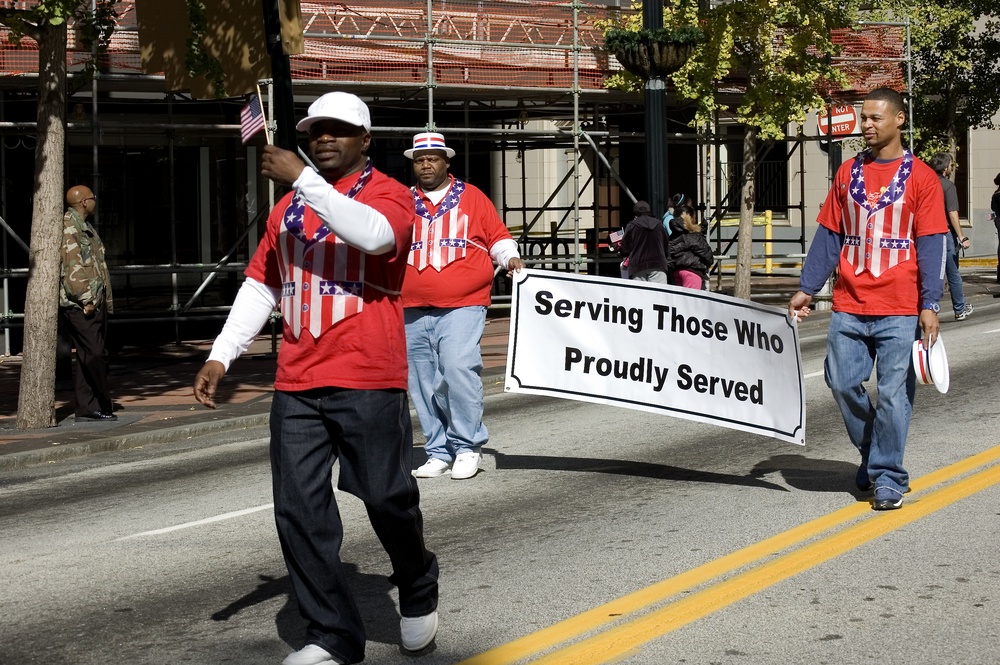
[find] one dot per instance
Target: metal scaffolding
(515, 84)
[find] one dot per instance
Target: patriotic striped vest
(879, 224)
(323, 278)
(443, 237)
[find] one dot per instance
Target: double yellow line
(620, 635)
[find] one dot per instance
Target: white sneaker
(418, 632)
(310, 654)
(466, 465)
(432, 468)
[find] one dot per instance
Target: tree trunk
(36, 400)
(744, 247)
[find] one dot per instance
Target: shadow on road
(625, 468)
(371, 592)
(811, 475)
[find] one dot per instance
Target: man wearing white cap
(333, 258)
(456, 238)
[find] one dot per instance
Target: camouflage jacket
(85, 277)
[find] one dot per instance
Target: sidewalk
(153, 386)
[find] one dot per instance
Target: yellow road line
(600, 616)
(617, 642)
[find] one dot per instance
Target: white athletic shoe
(310, 654)
(418, 632)
(432, 468)
(466, 465)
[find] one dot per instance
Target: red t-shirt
(364, 351)
(450, 265)
(883, 281)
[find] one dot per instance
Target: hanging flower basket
(652, 55)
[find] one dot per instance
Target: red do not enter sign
(838, 120)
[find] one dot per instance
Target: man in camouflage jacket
(84, 304)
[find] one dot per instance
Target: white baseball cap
(341, 106)
(429, 141)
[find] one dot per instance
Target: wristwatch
(964, 239)
(933, 306)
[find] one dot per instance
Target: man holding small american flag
(333, 258)
(456, 238)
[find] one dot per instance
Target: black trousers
(369, 432)
(90, 380)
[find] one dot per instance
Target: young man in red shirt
(883, 227)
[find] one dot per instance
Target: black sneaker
(960, 316)
(887, 498)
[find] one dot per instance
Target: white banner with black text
(690, 354)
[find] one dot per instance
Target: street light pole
(656, 108)
(281, 74)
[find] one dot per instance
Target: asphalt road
(593, 535)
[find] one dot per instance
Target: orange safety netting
(513, 43)
(479, 42)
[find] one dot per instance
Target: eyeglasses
(89, 198)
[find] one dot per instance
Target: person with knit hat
(645, 243)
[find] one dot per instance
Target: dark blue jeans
(854, 343)
(369, 431)
(954, 276)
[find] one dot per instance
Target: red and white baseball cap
(429, 141)
(341, 106)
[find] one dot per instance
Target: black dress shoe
(97, 415)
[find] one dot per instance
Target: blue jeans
(878, 432)
(442, 347)
(954, 276)
(369, 432)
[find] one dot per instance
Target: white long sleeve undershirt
(251, 309)
(503, 251)
(355, 223)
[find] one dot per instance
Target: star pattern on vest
(877, 200)
(328, 287)
(894, 243)
(450, 201)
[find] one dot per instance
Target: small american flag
(251, 119)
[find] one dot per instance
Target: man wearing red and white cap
(457, 236)
(333, 258)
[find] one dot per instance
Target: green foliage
(782, 48)
(198, 60)
(625, 32)
(616, 39)
(94, 28)
(956, 66)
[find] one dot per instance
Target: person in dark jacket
(645, 243)
(995, 210)
(689, 257)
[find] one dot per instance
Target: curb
(492, 384)
(20, 460)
